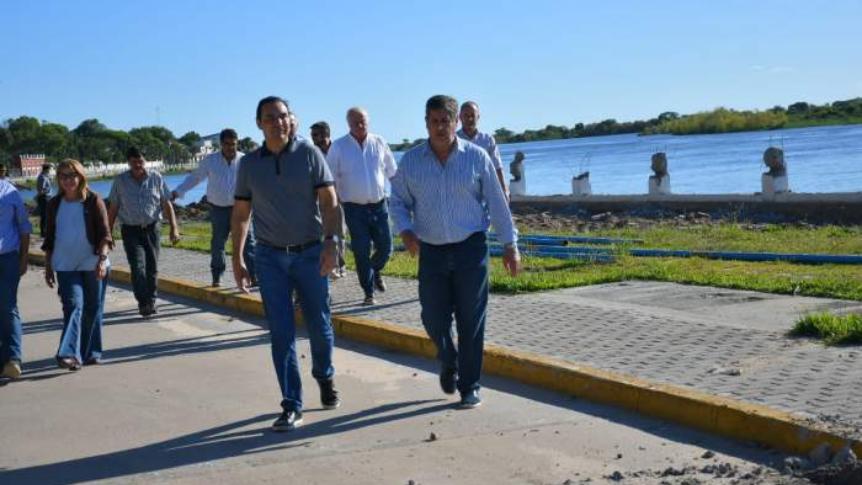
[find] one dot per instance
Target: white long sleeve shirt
(220, 176)
(361, 171)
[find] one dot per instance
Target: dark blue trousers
(453, 280)
(368, 223)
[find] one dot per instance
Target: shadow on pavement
(170, 348)
(242, 438)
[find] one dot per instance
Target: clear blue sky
(203, 65)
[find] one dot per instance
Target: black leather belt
(370, 204)
(140, 226)
(295, 248)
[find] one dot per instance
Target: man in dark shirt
(287, 185)
(43, 193)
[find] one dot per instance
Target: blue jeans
(83, 298)
(142, 246)
(10, 319)
(368, 223)
(279, 273)
(220, 220)
(453, 279)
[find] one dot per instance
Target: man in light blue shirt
(444, 196)
(219, 170)
(469, 131)
(14, 245)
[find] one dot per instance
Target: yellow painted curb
(718, 415)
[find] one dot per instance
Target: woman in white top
(77, 241)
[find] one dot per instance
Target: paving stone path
(724, 342)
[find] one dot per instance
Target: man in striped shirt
(469, 131)
(444, 196)
(219, 170)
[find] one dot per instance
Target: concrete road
(189, 398)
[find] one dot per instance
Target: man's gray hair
(441, 101)
(357, 110)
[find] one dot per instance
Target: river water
(819, 159)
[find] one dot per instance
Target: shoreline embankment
(843, 208)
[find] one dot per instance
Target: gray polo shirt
(282, 189)
(140, 203)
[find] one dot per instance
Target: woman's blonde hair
(78, 168)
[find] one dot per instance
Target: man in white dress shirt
(361, 162)
(469, 116)
(219, 169)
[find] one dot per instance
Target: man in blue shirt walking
(445, 194)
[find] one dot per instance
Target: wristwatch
(331, 237)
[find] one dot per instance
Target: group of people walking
(288, 206)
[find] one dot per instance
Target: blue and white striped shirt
(220, 176)
(446, 203)
(13, 218)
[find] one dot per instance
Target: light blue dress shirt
(446, 203)
(13, 218)
(487, 142)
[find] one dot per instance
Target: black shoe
(379, 285)
(448, 379)
(328, 395)
(145, 309)
(287, 421)
(216, 282)
(470, 400)
(369, 300)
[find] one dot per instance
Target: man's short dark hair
(133, 152)
(270, 99)
(46, 167)
(441, 101)
(227, 134)
(321, 125)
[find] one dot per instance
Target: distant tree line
(91, 141)
(719, 120)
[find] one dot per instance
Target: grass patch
(730, 236)
(541, 274)
(832, 329)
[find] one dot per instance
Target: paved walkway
(188, 398)
(724, 342)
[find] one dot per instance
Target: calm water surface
(821, 159)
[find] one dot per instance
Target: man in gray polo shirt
(138, 197)
(287, 185)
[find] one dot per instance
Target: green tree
(246, 145)
(190, 140)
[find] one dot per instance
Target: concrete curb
(722, 416)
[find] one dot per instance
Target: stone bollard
(581, 184)
(659, 183)
(518, 184)
(775, 180)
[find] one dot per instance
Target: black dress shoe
(448, 379)
(470, 400)
(379, 285)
